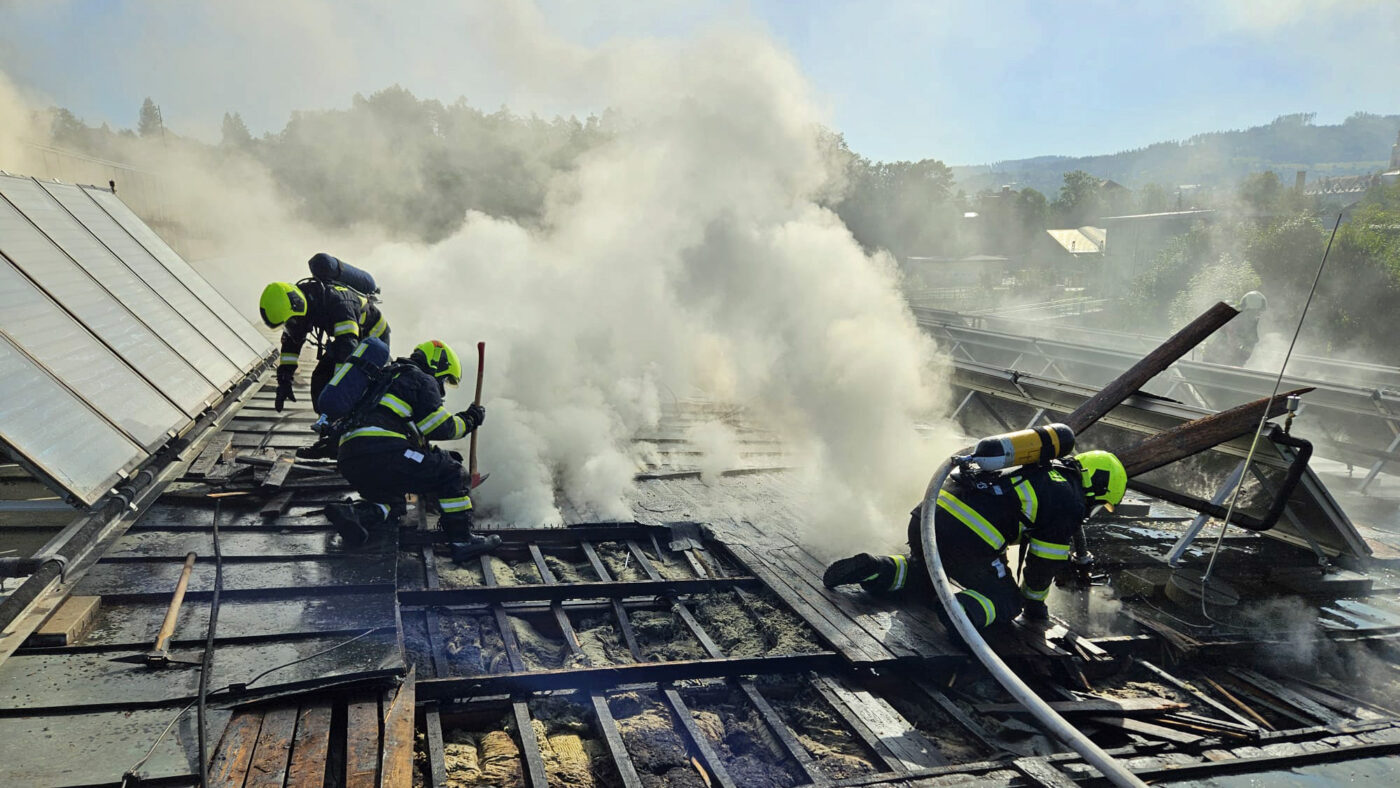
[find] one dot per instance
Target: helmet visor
(450, 380)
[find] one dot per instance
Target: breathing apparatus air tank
(1023, 447)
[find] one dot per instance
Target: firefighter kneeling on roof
(385, 451)
(981, 512)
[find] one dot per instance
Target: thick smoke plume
(688, 254)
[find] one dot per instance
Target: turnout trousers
(386, 475)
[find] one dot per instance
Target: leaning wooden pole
(1201, 434)
(1166, 354)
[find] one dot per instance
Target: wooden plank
(889, 728)
(396, 765)
(709, 765)
(1198, 435)
(437, 760)
(872, 743)
(208, 458)
(362, 744)
(1148, 729)
(1039, 772)
(962, 718)
(229, 766)
(791, 744)
(1303, 704)
(276, 505)
(1103, 706)
(278, 475)
(1197, 694)
(823, 620)
(310, 747)
(612, 737)
(535, 774)
(69, 624)
(268, 768)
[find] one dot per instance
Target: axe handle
(167, 627)
(480, 368)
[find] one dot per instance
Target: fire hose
(1110, 768)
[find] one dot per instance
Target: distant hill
(1359, 145)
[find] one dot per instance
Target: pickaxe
(159, 655)
(477, 478)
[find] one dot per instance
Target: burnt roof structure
(692, 645)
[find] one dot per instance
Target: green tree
(1079, 201)
(150, 122)
(1154, 198)
(235, 132)
(1262, 193)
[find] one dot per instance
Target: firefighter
(389, 454)
(327, 309)
(1040, 506)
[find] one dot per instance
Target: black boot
(346, 520)
(456, 525)
(856, 569)
(474, 546)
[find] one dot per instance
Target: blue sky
(965, 82)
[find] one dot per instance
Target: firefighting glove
(284, 389)
(474, 416)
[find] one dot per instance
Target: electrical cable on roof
(130, 773)
(208, 658)
(1259, 430)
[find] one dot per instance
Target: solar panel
(165, 285)
(54, 339)
(109, 346)
(181, 270)
(105, 296)
(56, 433)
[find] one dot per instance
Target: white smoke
(688, 253)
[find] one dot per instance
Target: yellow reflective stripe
(432, 420)
(1030, 504)
(379, 328)
(340, 370)
(455, 504)
(901, 572)
(987, 606)
(969, 517)
(1029, 593)
(370, 432)
(396, 405)
(287, 358)
(347, 327)
(1050, 550)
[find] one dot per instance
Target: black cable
(208, 658)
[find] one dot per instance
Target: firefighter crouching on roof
(331, 309)
(1041, 506)
(389, 454)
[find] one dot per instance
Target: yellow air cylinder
(1023, 447)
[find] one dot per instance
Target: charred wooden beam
(1202, 434)
(563, 591)
(1166, 354)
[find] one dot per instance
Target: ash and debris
(747, 747)
(473, 646)
(507, 573)
(489, 759)
(663, 637)
(566, 571)
(650, 735)
(620, 563)
(750, 625)
(671, 566)
(538, 650)
(411, 573)
(601, 641)
(416, 644)
(573, 752)
(834, 747)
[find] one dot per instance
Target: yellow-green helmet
(281, 302)
(441, 360)
(1103, 477)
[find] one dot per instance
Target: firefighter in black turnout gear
(327, 309)
(979, 515)
(388, 454)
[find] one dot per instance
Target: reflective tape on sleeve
(431, 421)
(987, 607)
(901, 572)
(1030, 504)
(1049, 550)
(396, 405)
(347, 327)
